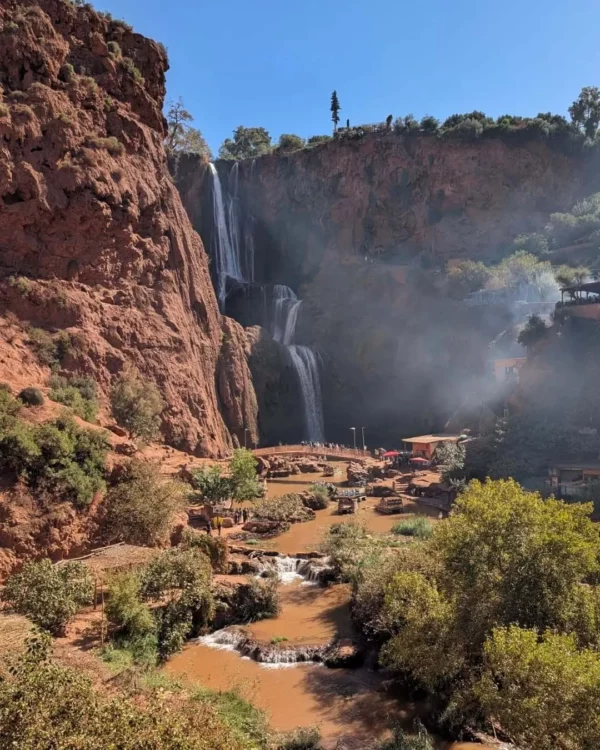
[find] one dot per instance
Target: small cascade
(225, 251)
(285, 314)
(268, 656)
(288, 569)
(305, 363)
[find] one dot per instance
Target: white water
(304, 361)
(289, 569)
(285, 314)
(226, 251)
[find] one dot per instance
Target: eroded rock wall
(89, 213)
(363, 230)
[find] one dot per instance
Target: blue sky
(275, 63)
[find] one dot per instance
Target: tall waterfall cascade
(233, 254)
(226, 248)
(286, 307)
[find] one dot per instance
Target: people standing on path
(219, 522)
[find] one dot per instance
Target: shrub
(303, 738)
(400, 741)
(319, 496)
(130, 67)
(137, 406)
(55, 458)
(182, 579)
(286, 508)
(140, 506)
(124, 608)
(534, 331)
(316, 140)
(430, 124)
(257, 600)
(50, 350)
(248, 723)
(31, 396)
(78, 393)
(535, 243)
(351, 550)
(66, 73)
(50, 595)
(289, 142)
(214, 548)
(42, 703)
(114, 48)
(112, 145)
(4, 110)
(419, 526)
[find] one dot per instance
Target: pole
(363, 437)
(354, 434)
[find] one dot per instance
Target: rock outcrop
(94, 237)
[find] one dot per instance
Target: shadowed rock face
(89, 213)
(360, 230)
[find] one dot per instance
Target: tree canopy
(182, 137)
(585, 111)
(247, 143)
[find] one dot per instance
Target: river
(355, 706)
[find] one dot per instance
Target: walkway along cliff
(94, 225)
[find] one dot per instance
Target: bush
(78, 393)
(112, 145)
(124, 608)
(211, 486)
(284, 509)
(140, 506)
(43, 705)
(430, 124)
(400, 741)
(316, 140)
(66, 73)
(289, 142)
(351, 549)
(303, 738)
(137, 406)
(214, 548)
(50, 595)
(182, 579)
(533, 332)
(242, 469)
(114, 48)
(130, 67)
(55, 458)
(419, 526)
(319, 496)
(257, 600)
(31, 396)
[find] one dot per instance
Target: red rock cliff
(89, 214)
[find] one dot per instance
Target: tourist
(244, 515)
(219, 522)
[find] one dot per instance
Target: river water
(355, 706)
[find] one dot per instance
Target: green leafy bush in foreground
(78, 393)
(31, 396)
(44, 705)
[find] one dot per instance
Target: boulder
(343, 654)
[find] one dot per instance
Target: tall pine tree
(335, 108)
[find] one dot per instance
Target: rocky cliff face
(362, 231)
(90, 217)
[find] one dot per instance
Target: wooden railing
(308, 450)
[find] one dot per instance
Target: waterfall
(305, 364)
(226, 253)
(285, 314)
(288, 569)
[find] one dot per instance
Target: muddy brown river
(356, 705)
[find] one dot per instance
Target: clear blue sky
(275, 63)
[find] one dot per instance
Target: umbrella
(389, 454)
(419, 460)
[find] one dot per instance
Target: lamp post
(363, 437)
(354, 434)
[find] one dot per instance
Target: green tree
(535, 243)
(244, 480)
(247, 143)
(533, 331)
(315, 140)
(211, 486)
(465, 277)
(335, 110)
(181, 137)
(450, 459)
(139, 507)
(585, 111)
(430, 124)
(544, 693)
(290, 142)
(137, 405)
(50, 595)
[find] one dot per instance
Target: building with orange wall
(425, 445)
